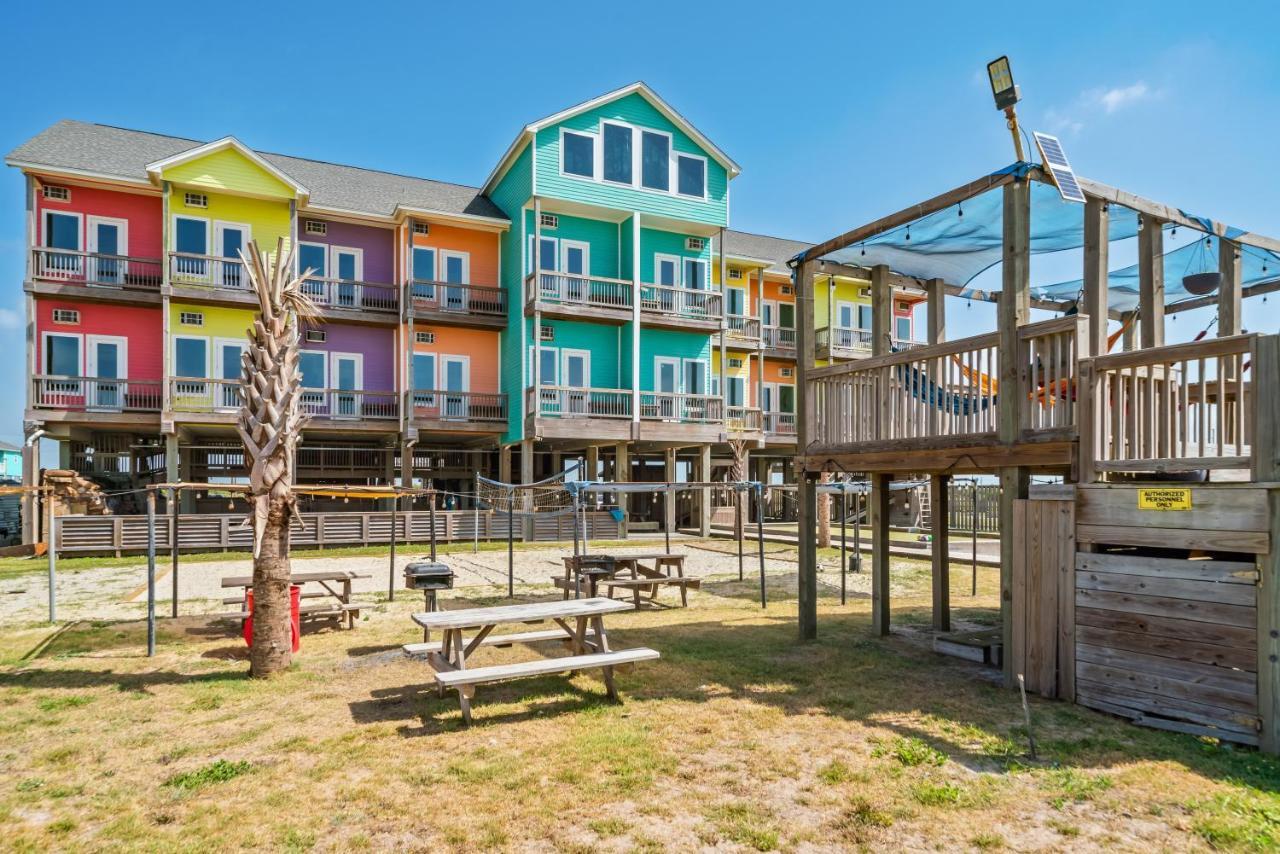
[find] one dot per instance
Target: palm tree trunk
(824, 514)
(272, 647)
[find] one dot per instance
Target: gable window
(655, 161)
(691, 176)
(617, 154)
(578, 154)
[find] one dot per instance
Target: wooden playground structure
(1145, 583)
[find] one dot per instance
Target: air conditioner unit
(695, 244)
(549, 221)
(317, 336)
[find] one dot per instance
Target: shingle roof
(9, 446)
(124, 153)
(743, 244)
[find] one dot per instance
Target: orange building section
(773, 369)
(481, 345)
(482, 246)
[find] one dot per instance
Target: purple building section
(377, 245)
(376, 344)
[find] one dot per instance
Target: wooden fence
(221, 532)
(961, 507)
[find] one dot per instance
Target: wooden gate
(1044, 548)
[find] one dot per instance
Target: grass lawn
(739, 738)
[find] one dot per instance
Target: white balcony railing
(689, 303)
(563, 289)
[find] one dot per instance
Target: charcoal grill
(429, 576)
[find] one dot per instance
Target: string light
(961, 208)
(908, 234)
(864, 248)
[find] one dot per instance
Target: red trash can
(295, 618)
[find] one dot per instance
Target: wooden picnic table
(586, 638)
(338, 608)
(667, 570)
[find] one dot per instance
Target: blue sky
(837, 112)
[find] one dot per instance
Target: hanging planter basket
(1200, 284)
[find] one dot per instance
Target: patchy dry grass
(739, 738)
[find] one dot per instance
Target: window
(734, 391)
(61, 231)
(787, 372)
(617, 154)
(549, 221)
(56, 194)
(578, 154)
(655, 161)
(421, 228)
(786, 397)
(666, 270)
(695, 273)
(786, 290)
(314, 226)
(735, 363)
(62, 355)
(195, 200)
(769, 313)
(424, 337)
(191, 236)
(691, 176)
(787, 315)
(66, 315)
(735, 274)
(864, 317)
(737, 301)
(904, 329)
(695, 244)
(424, 266)
(547, 256)
(424, 371)
(190, 357)
(312, 364)
(695, 376)
(547, 333)
(550, 361)
(316, 336)
(191, 318)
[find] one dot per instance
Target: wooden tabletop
(654, 556)
(297, 577)
(472, 618)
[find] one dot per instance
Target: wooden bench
(636, 585)
(466, 680)
(324, 609)
(500, 641)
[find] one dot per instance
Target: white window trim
(324, 359)
(565, 354)
(770, 308)
(435, 262)
(675, 173)
(218, 344)
(684, 374)
(555, 364)
(658, 362)
(435, 369)
(444, 359)
(120, 341)
(898, 319)
(778, 397)
(44, 232)
(671, 147)
(222, 225)
(532, 257)
(442, 258)
(706, 283)
(841, 305)
(44, 351)
(746, 300)
(207, 354)
(635, 178)
(322, 246)
(676, 261)
(596, 145)
(335, 251)
(91, 235)
(358, 358)
(208, 235)
(565, 246)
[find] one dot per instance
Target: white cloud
(1060, 123)
(10, 319)
(1121, 96)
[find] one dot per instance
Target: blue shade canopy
(960, 242)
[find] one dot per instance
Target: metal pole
(857, 532)
(667, 516)
(391, 564)
(173, 547)
(760, 539)
(431, 520)
(575, 527)
(53, 557)
(151, 572)
(738, 529)
(844, 562)
(475, 534)
(511, 549)
(974, 557)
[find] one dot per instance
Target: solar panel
(1055, 159)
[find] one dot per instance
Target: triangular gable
(208, 166)
(639, 87)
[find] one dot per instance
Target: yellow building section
(829, 294)
(210, 321)
(227, 170)
(223, 191)
(740, 366)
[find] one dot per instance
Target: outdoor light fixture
(1007, 95)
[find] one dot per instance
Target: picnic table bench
(337, 602)
(667, 571)
(587, 641)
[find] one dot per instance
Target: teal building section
(511, 194)
(675, 345)
(604, 239)
(603, 342)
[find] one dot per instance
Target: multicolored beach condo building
(587, 302)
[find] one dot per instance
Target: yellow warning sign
(1164, 499)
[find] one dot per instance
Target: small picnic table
(667, 570)
(339, 607)
(586, 639)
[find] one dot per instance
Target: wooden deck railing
(838, 341)
(458, 299)
(1051, 352)
(1183, 407)
(746, 419)
(685, 408)
(562, 289)
(688, 303)
(780, 423)
(207, 271)
(567, 402)
(95, 394)
(779, 338)
(470, 407)
(352, 295)
(742, 327)
(95, 268)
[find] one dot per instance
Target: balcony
(95, 394)
(458, 305)
(841, 343)
(352, 295)
(457, 411)
(571, 297)
(683, 408)
(680, 308)
(744, 329)
(222, 397)
(96, 270)
(566, 402)
(780, 426)
(743, 419)
(780, 342)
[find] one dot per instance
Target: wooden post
(391, 563)
(881, 311)
(593, 462)
(151, 572)
(1151, 283)
(935, 290)
(668, 506)
(704, 505)
(51, 542)
(1096, 250)
(760, 539)
(1014, 310)
(939, 488)
(622, 474)
(807, 523)
(527, 475)
(880, 553)
(1266, 449)
(173, 547)
(1229, 319)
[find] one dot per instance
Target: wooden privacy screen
(1167, 641)
(1044, 549)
